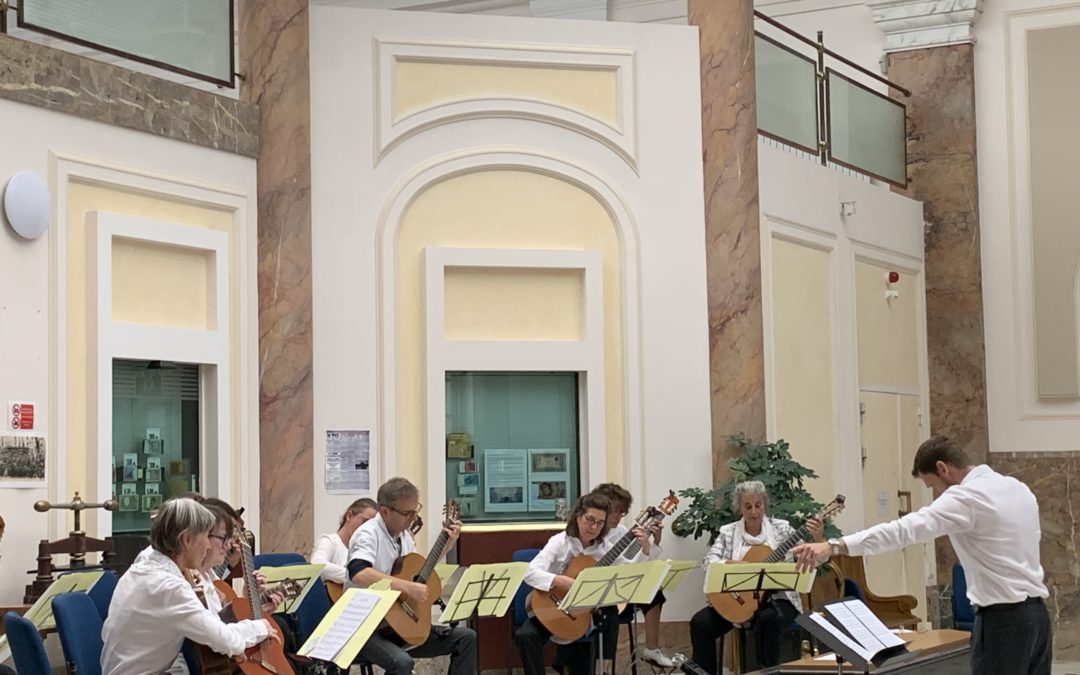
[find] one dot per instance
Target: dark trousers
(458, 642)
(1012, 640)
(707, 626)
(575, 658)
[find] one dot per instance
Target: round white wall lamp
(27, 205)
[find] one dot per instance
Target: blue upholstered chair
(79, 626)
(963, 612)
(27, 649)
(278, 559)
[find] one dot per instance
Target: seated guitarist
(332, 549)
(621, 501)
(154, 608)
(735, 539)
(585, 534)
(373, 550)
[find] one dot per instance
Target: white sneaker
(657, 658)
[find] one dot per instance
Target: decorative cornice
(58, 80)
(570, 9)
(916, 24)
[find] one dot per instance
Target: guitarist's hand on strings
(657, 530)
(454, 531)
(412, 589)
(816, 528)
(272, 631)
(561, 584)
(643, 538)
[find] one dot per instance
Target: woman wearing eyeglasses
(584, 535)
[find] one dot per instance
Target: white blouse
(334, 554)
(152, 610)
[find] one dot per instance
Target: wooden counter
(491, 543)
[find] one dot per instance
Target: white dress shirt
(334, 554)
(153, 609)
(557, 554)
(993, 523)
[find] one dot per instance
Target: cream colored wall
(803, 339)
(1054, 107)
(485, 303)
(140, 301)
(887, 329)
(419, 85)
(160, 285)
(502, 209)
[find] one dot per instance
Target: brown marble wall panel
(1055, 480)
(57, 80)
(274, 54)
(943, 175)
(732, 225)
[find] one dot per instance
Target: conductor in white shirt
(993, 523)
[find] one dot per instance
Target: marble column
(274, 61)
(732, 224)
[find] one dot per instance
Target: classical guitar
(408, 619)
(210, 662)
(268, 656)
(334, 589)
(571, 625)
(739, 607)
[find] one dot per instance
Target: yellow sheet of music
(677, 572)
(746, 576)
(305, 575)
(615, 585)
(347, 654)
(40, 613)
(445, 571)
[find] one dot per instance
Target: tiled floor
(1067, 668)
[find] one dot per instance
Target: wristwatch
(834, 547)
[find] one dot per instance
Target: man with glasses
(373, 549)
(585, 534)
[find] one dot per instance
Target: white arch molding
(429, 174)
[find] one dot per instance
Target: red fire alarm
(894, 277)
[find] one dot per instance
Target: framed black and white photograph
(151, 503)
(22, 461)
(129, 502)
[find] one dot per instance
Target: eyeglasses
(408, 514)
(593, 522)
(222, 538)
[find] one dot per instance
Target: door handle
(905, 507)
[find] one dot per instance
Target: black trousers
(574, 658)
(1012, 639)
(707, 626)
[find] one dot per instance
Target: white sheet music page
(864, 653)
(357, 609)
(863, 625)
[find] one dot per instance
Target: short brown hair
(617, 494)
(224, 513)
(174, 518)
(938, 449)
(583, 504)
(396, 489)
(356, 507)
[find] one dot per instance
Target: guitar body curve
(269, 655)
(739, 607)
(410, 619)
(334, 590)
(545, 606)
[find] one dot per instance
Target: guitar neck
(250, 585)
(433, 557)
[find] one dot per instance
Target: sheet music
(357, 609)
(842, 637)
(858, 620)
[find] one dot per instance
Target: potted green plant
(770, 463)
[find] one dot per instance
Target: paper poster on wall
(348, 455)
(549, 477)
(506, 474)
(22, 461)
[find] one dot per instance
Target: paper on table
(861, 623)
(842, 637)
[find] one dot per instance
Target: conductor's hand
(817, 528)
(561, 584)
(807, 556)
(643, 538)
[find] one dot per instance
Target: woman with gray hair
(755, 527)
(154, 607)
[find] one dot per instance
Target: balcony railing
(189, 37)
(805, 102)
